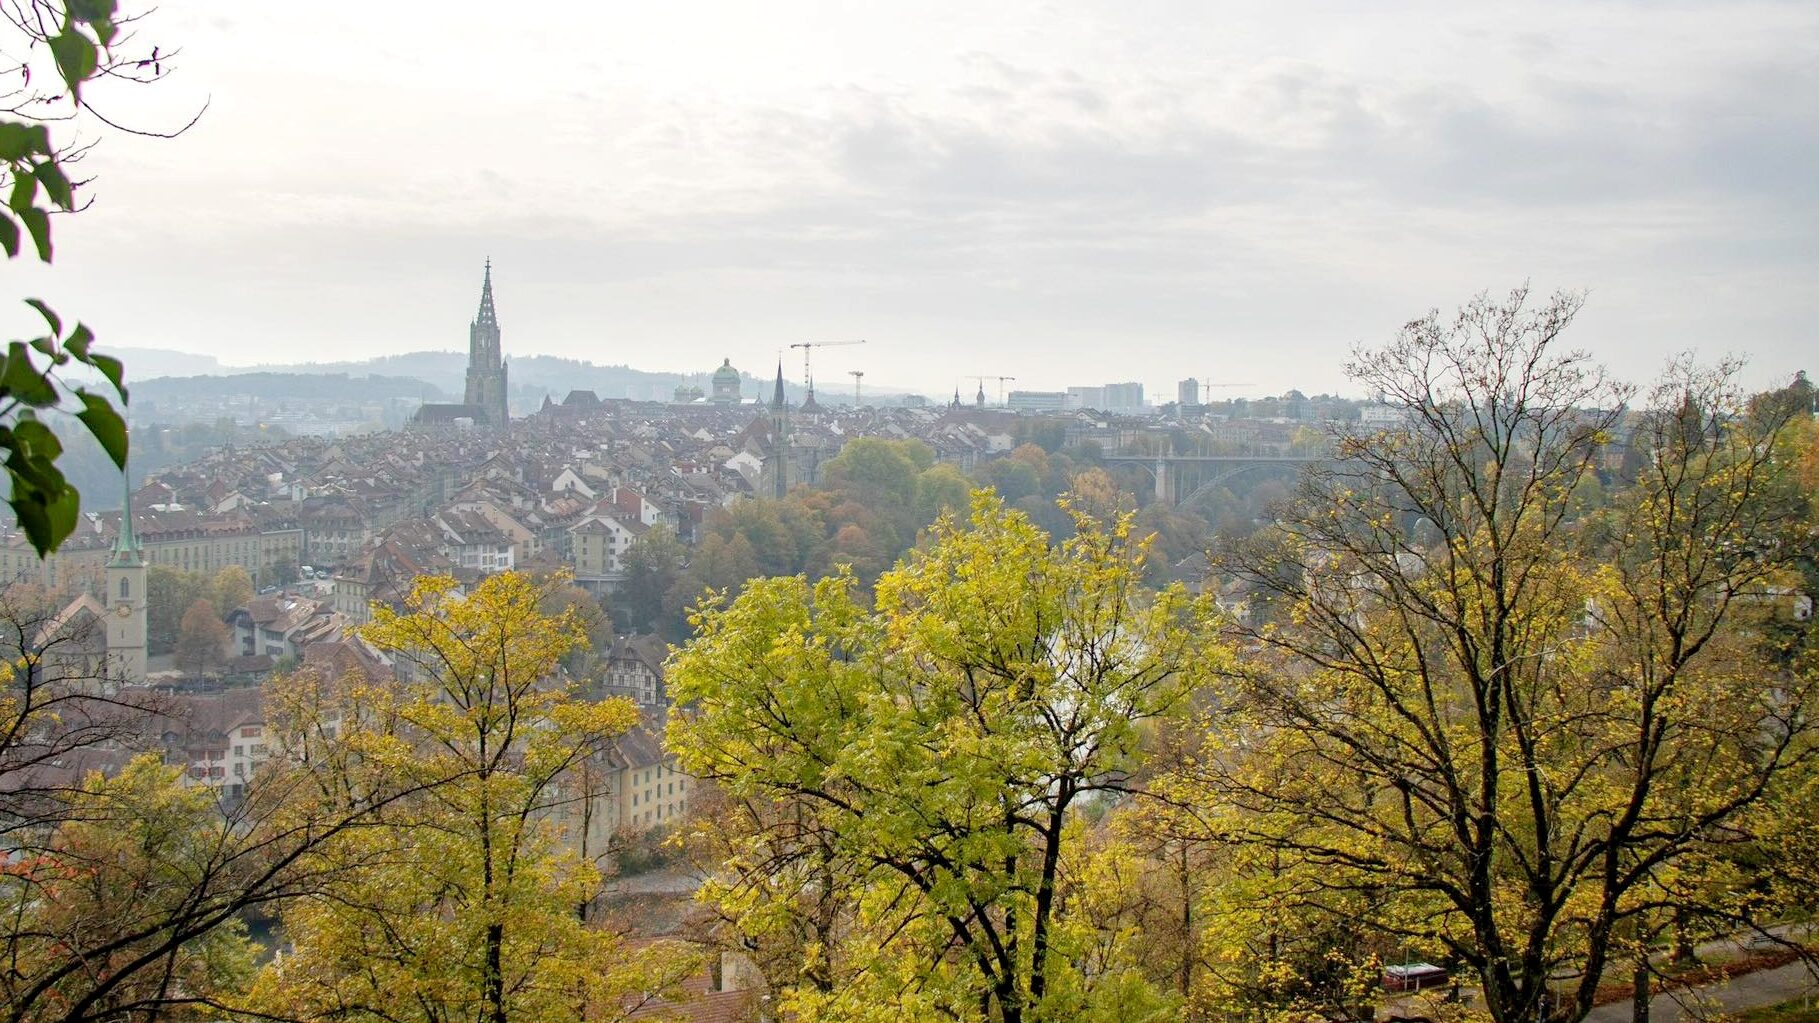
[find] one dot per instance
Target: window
(126, 588)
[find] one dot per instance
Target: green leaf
(37, 440)
(92, 10)
(9, 235)
(32, 462)
(38, 223)
(56, 185)
(15, 141)
(22, 381)
(77, 343)
(25, 191)
(28, 508)
(51, 318)
(43, 501)
(64, 507)
(75, 55)
(111, 369)
(105, 425)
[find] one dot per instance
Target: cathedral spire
(487, 316)
(779, 468)
(486, 373)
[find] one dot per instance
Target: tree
(124, 897)
(1487, 729)
(1013, 479)
(761, 527)
(201, 639)
(561, 594)
(80, 38)
(460, 903)
(1094, 492)
(718, 564)
(941, 488)
(169, 594)
(930, 757)
(652, 567)
(128, 854)
(59, 702)
(882, 475)
(231, 587)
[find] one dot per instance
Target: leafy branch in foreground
(81, 38)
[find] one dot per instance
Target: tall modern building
(1127, 397)
(486, 361)
(1036, 401)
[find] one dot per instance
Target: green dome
(726, 374)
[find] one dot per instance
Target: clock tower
(125, 600)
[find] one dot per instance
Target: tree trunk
(493, 991)
(1640, 998)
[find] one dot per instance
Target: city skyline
(1227, 192)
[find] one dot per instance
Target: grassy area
(1711, 971)
(1800, 1010)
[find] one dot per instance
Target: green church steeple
(127, 551)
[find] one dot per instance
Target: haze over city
(1071, 193)
(1299, 513)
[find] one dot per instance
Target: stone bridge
(1184, 480)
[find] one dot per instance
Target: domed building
(726, 385)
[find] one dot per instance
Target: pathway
(1749, 991)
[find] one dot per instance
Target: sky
(1065, 193)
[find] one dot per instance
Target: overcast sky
(1069, 193)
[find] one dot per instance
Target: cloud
(1089, 189)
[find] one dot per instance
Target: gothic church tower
(485, 360)
(779, 439)
(125, 599)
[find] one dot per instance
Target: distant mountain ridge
(531, 376)
(277, 386)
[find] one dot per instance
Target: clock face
(124, 610)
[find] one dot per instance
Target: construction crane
(856, 374)
(808, 380)
(983, 379)
(1206, 390)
